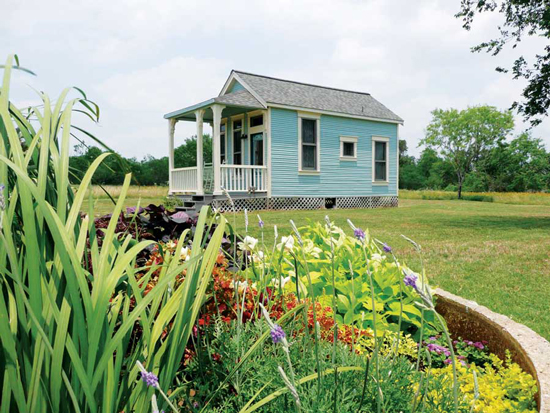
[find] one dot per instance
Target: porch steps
(193, 203)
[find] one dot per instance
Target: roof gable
(269, 90)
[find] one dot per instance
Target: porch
(240, 145)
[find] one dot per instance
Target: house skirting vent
(257, 204)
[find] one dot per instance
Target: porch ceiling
(235, 103)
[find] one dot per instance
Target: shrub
(478, 198)
(503, 387)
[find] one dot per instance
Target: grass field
(145, 195)
(497, 254)
(520, 198)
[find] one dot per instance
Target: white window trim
(243, 144)
(224, 122)
(256, 129)
(386, 140)
(351, 139)
(316, 117)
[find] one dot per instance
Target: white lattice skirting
(257, 204)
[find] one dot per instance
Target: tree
(521, 165)
(522, 17)
(186, 154)
(462, 137)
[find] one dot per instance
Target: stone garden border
(471, 321)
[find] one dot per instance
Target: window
(222, 143)
(308, 138)
(256, 121)
(380, 159)
(348, 148)
(237, 141)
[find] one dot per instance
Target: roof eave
(333, 113)
(188, 109)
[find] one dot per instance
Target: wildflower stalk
(417, 393)
(278, 336)
(352, 303)
(360, 235)
(365, 381)
(424, 293)
(375, 354)
(291, 388)
(428, 372)
(453, 359)
(314, 304)
(335, 391)
(334, 306)
(151, 380)
(418, 249)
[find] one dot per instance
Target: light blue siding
(337, 178)
(235, 87)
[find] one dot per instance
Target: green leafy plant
(352, 289)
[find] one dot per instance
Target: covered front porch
(240, 147)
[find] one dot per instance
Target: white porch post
(216, 153)
(171, 130)
(199, 114)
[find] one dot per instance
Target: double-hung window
(308, 134)
(237, 141)
(380, 159)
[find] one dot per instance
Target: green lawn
(495, 254)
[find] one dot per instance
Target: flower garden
(147, 309)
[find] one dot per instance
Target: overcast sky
(141, 59)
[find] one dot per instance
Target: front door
(257, 149)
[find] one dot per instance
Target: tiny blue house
(280, 144)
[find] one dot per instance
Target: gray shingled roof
(240, 98)
(285, 92)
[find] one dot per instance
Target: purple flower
(447, 361)
(410, 281)
(261, 223)
(149, 379)
(2, 199)
(386, 247)
(435, 348)
(277, 334)
(359, 234)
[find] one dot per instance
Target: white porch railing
(184, 179)
(242, 178)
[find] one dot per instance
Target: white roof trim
(340, 114)
(234, 76)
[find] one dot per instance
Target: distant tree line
(520, 165)
(147, 171)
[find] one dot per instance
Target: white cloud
(173, 84)
(141, 59)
